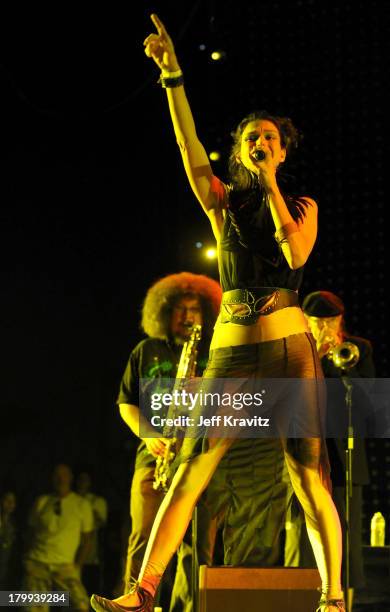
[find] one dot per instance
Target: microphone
(259, 155)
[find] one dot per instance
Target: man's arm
(33, 523)
(83, 549)
(100, 512)
(86, 534)
(136, 421)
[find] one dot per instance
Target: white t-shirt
(99, 509)
(57, 524)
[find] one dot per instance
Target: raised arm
(207, 188)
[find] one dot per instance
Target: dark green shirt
(152, 358)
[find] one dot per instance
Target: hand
(156, 446)
(160, 47)
(265, 170)
(327, 339)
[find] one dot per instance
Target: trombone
(343, 354)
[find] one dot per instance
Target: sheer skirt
(297, 407)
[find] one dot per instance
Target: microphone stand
(194, 560)
(348, 483)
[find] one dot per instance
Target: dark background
(95, 205)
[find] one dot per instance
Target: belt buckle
(268, 303)
(252, 299)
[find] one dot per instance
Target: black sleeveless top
(249, 255)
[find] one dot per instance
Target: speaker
(251, 589)
(375, 595)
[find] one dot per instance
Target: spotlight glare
(218, 55)
(202, 47)
(198, 245)
(215, 155)
(211, 253)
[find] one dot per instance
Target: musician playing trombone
(341, 353)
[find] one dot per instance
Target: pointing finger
(159, 25)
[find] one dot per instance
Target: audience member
(60, 525)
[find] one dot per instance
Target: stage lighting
(218, 55)
(215, 155)
(211, 253)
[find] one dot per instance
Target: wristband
(171, 82)
(171, 75)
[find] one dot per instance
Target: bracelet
(171, 82)
(284, 231)
(171, 75)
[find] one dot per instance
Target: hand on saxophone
(156, 446)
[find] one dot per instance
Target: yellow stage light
(218, 55)
(215, 156)
(211, 253)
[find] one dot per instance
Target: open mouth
(258, 154)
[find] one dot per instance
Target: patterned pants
(45, 577)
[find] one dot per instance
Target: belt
(245, 306)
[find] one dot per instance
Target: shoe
(339, 604)
(101, 604)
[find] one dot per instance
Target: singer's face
(261, 134)
(186, 312)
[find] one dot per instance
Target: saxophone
(186, 369)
